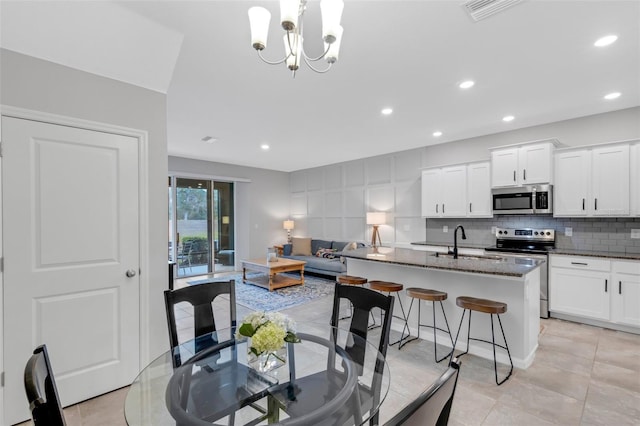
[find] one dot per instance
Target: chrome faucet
(455, 240)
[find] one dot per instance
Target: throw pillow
(351, 246)
(301, 246)
(326, 253)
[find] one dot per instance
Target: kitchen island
(515, 282)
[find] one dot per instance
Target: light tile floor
(581, 375)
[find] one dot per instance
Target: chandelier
(291, 19)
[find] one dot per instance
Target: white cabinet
(625, 302)
(579, 286)
(479, 190)
(527, 164)
(446, 190)
(594, 288)
(635, 179)
(592, 182)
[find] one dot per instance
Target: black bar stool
(389, 287)
(432, 296)
(350, 280)
(486, 306)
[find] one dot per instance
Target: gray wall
(40, 85)
(330, 202)
(260, 205)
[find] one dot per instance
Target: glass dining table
(332, 377)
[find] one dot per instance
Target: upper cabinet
(524, 164)
(457, 191)
(635, 179)
(593, 181)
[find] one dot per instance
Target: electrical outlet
(445, 228)
(635, 233)
(493, 230)
(568, 232)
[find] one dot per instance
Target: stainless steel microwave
(529, 199)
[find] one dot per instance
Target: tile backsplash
(598, 234)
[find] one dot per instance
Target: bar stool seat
(351, 280)
(491, 307)
(433, 296)
(390, 287)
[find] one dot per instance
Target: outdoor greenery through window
(201, 220)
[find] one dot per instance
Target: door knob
(131, 273)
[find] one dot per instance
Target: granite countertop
(492, 265)
(603, 254)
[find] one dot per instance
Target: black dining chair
(433, 406)
(201, 297)
(363, 301)
(41, 390)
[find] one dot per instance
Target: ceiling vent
(481, 9)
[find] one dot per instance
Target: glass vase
(268, 360)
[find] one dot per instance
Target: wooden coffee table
(271, 280)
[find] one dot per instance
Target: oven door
(513, 201)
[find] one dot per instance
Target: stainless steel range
(528, 243)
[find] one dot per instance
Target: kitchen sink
(488, 257)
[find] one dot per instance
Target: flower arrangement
(268, 332)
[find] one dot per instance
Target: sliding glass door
(202, 226)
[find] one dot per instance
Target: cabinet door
(610, 181)
(431, 190)
(479, 190)
(625, 303)
(454, 191)
(580, 292)
(504, 167)
(570, 193)
(635, 180)
(535, 164)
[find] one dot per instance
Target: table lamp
(376, 219)
(288, 225)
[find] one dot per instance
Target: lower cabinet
(595, 288)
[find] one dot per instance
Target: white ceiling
(535, 61)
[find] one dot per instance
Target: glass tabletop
(331, 377)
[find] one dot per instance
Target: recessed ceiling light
(605, 41)
(467, 84)
(386, 111)
(264, 147)
(508, 118)
(209, 139)
(437, 134)
(613, 95)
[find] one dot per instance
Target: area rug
(261, 299)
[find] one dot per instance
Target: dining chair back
(433, 406)
(201, 297)
(40, 387)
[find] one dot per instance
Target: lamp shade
(331, 15)
(333, 49)
(376, 218)
(259, 19)
(288, 225)
(289, 10)
(225, 220)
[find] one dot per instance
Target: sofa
(322, 257)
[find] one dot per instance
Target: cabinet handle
(596, 204)
(442, 208)
(583, 204)
(580, 263)
(436, 207)
(619, 287)
(606, 282)
(470, 211)
(524, 174)
(514, 175)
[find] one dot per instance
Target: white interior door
(70, 222)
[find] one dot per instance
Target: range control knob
(500, 232)
(548, 233)
(506, 232)
(535, 233)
